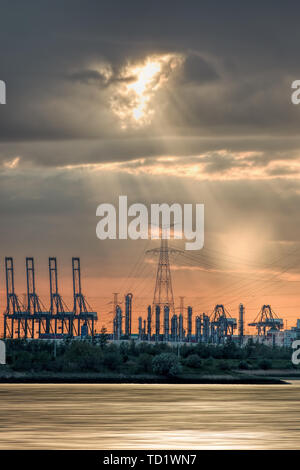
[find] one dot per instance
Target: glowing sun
(137, 86)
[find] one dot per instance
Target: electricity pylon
(163, 292)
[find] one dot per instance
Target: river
(127, 416)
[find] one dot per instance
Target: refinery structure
(29, 319)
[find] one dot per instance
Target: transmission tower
(163, 292)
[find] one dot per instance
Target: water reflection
(149, 416)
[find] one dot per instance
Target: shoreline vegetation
(97, 379)
(89, 361)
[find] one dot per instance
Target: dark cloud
(198, 70)
(232, 93)
(96, 78)
(281, 170)
(217, 163)
(89, 77)
(240, 60)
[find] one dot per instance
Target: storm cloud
(220, 127)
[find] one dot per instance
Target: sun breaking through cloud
(132, 101)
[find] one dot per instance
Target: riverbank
(96, 378)
(84, 361)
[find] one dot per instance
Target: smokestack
(241, 323)
(140, 327)
(198, 329)
(166, 322)
(128, 314)
(157, 322)
(190, 315)
(149, 323)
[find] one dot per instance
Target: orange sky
(202, 281)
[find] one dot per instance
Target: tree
(224, 365)
(265, 364)
(144, 363)
(112, 360)
(243, 365)
(22, 361)
(103, 337)
(193, 361)
(230, 350)
(166, 364)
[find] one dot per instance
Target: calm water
(150, 416)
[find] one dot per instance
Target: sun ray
(132, 100)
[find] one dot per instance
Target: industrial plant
(161, 323)
(32, 320)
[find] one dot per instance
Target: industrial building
(33, 320)
(161, 322)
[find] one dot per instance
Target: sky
(172, 101)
